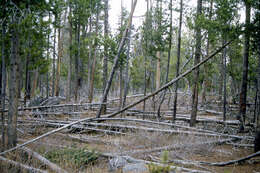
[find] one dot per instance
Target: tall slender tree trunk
(57, 79)
(77, 59)
(178, 64)
(27, 94)
(108, 85)
(195, 88)
(105, 59)
(126, 75)
(13, 88)
(68, 94)
(243, 91)
(224, 56)
(3, 84)
(158, 70)
(205, 84)
(48, 56)
(91, 89)
(146, 54)
(90, 60)
(53, 62)
(257, 135)
(60, 55)
(121, 66)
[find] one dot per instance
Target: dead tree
(109, 82)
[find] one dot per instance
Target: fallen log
(231, 162)
(20, 165)
(125, 108)
(51, 165)
(171, 147)
(58, 123)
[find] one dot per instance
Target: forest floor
(82, 148)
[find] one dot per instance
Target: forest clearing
(172, 87)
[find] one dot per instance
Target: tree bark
(53, 62)
(35, 81)
(105, 59)
(13, 88)
(3, 84)
(57, 79)
(195, 88)
(158, 70)
(243, 91)
(68, 94)
(224, 80)
(77, 59)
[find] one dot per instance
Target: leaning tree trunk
(195, 88)
(126, 75)
(13, 89)
(243, 91)
(121, 45)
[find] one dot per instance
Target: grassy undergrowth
(74, 158)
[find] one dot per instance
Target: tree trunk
(13, 88)
(145, 57)
(53, 62)
(77, 56)
(68, 94)
(105, 59)
(206, 80)
(158, 70)
(90, 61)
(57, 79)
(27, 94)
(195, 88)
(121, 45)
(126, 75)
(178, 64)
(91, 91)
(35, 81)
(48, 56)
(3, 84)
(243, 91)
(225, 80)
(257, 135)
